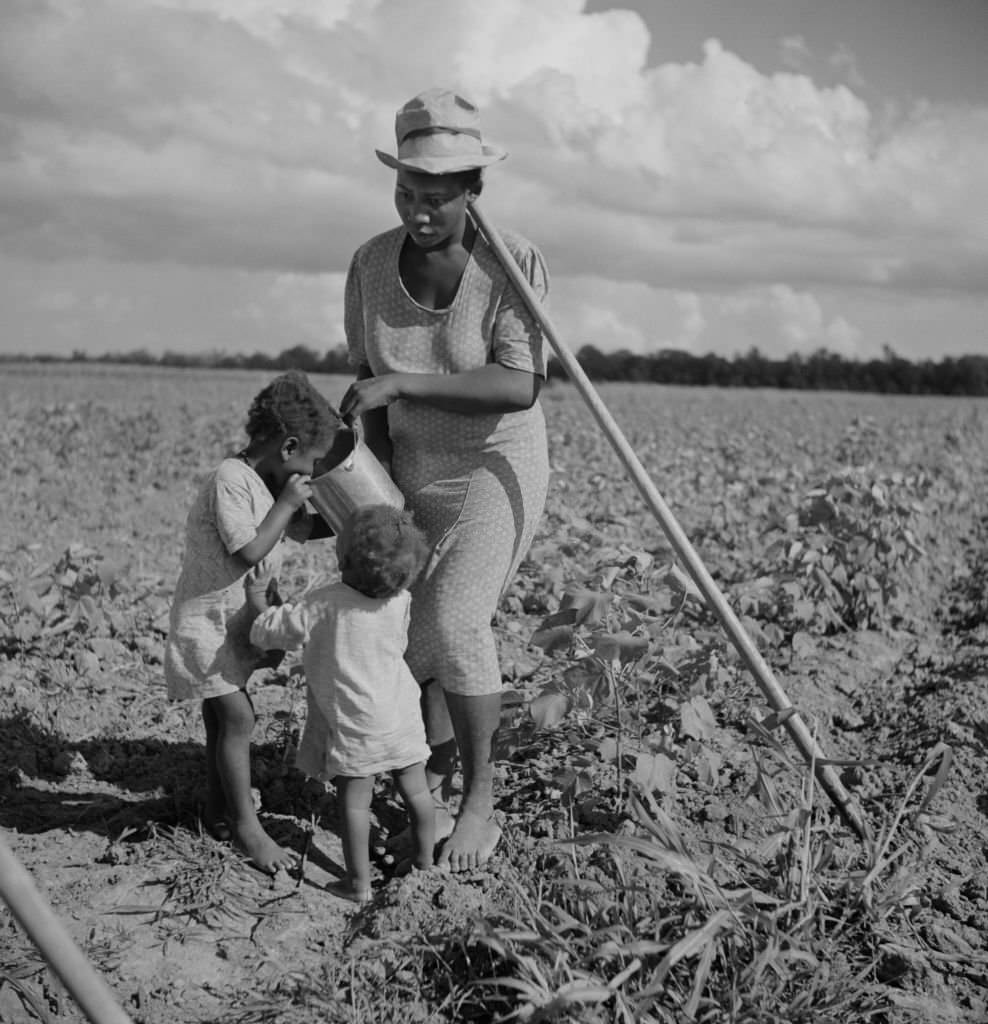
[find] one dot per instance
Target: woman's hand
(370, 393)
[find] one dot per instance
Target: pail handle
(347, 463)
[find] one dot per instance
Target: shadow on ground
(109, 786)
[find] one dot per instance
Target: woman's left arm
(487, 389)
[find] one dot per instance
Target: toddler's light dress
(476, 484)
(363, 713)
(208, 651)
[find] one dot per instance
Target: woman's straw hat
(438, 132)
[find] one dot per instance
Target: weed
(209, 888)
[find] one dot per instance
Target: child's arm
(294, 494)
(282, 627)
(262, 593)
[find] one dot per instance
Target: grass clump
(638, 925)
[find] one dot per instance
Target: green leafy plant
(841, 560)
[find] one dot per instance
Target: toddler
(363, 702)
(233, 537)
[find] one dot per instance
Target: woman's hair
(470, 181)
(381, 551)
(291, 406)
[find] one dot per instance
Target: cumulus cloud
(844, 64)
(776, 319)
(609, 315)
(238, 135)
(779, 320)
(99, 307)
(794, 53)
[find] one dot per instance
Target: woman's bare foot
(470, 845)
(264, 853)
(346, 890)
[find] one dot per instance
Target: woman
(449, 368)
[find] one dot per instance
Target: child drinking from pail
(363, 702)
(233, 537)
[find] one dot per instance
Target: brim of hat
(444, 164)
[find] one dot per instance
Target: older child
(363, 702)
(232, 537)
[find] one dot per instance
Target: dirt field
(666, 855)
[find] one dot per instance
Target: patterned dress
(476, 483)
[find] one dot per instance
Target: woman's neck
(432, 276)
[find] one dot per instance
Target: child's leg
(214, 813)
(234, 725)
(439, 770)
(354, 797)
(414, 789)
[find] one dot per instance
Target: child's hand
(262, 593)
(296, 491)
(257, 601)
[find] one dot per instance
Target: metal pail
(357, 481)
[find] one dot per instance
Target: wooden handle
(773, 692)
(64, 957)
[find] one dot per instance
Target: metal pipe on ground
(750, 655)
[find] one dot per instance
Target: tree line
(820, 371)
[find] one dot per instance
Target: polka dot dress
(475, 483)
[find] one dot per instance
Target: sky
(706, 175)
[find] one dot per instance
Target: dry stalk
(881, 858)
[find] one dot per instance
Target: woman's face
(433, 207)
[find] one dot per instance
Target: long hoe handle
(757, 665)
(66, 959)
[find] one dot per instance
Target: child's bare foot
(400, 849)
(346, 890)
(411, 864)
(218, 828)
(213, 817)
(471, 843)
(264, 853)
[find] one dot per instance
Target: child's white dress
(208, 651)
(363, 702)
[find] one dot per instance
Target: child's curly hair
(381, 551)
(291, 406)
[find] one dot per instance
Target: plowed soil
(100, 777)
